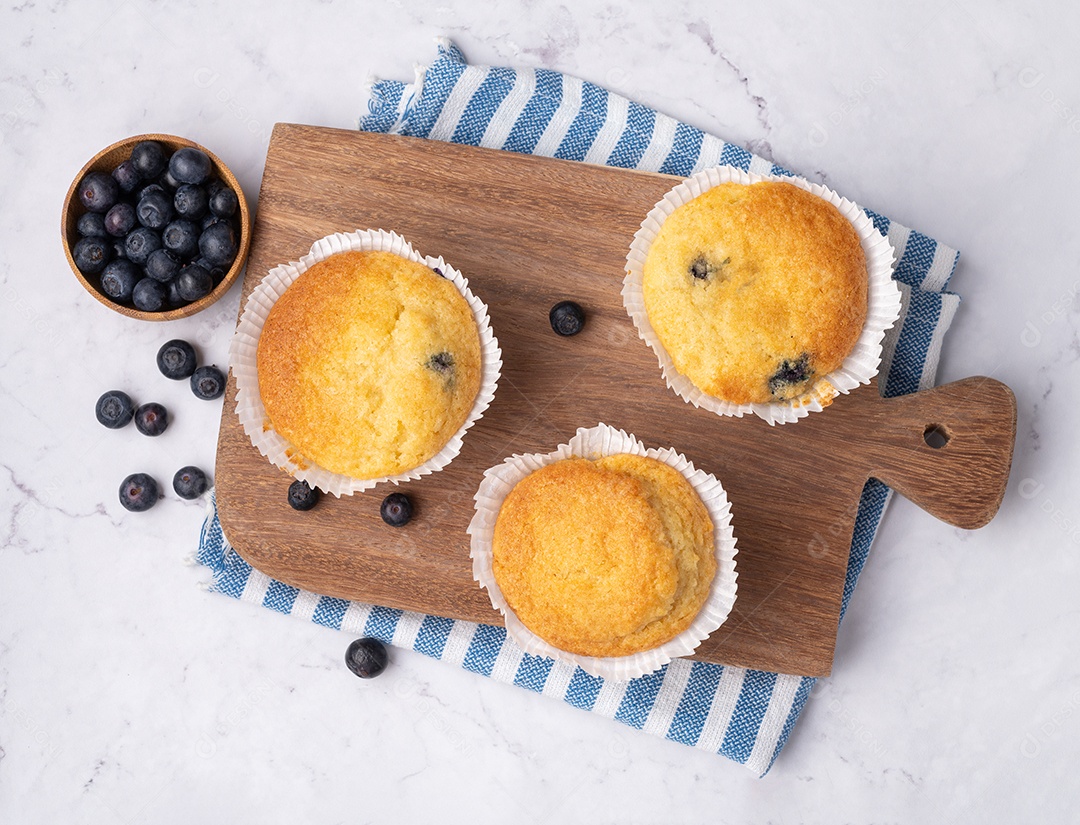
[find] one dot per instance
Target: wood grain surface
(529, 232)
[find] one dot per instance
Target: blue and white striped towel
(745, 715)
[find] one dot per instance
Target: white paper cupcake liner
(860, 366)
(593, 443)
(244, 348)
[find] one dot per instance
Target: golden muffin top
(604, 558)
(369, 363)
(756, 290)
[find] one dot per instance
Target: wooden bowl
(108, 159)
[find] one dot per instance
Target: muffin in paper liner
(592, 443)
(861, 364)
(244, 349)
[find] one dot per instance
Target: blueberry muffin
(756, 290)
(368, 364)
(604, 558)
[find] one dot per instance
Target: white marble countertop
(128, 694)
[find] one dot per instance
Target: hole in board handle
(936, 436)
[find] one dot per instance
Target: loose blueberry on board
(114, 409)
(162, 265)
(127, 177)
(217, 243)
(302, 496)
(119, 278)
(148, 158)
(181, 237)
(190, 201)
(194, 282)
(155, 209)
(140, 243)
(567, 318)
(98, 192)
(190, 165)
(91, 255)
(366, 657)
(396, 509)
(120, 219)
(207, 383)
(151, 419)
(176, 359)
(189, 483)
(91, 225)
(139, 492)
(149, 295)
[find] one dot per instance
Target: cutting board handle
(948, 449)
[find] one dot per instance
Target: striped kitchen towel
(745, 715)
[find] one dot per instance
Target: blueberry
(127, 177)
(120, 219)
(190, 165)
(98, 192)
(148, 295)
(194, 282)
(151, 187)
(190, 201)
(140, 243)
(155, 209)
(176, 359)
(224, 203)
(114, 409)
(218, 243)
(366, 657)
(91, 255)
(139, 492)
(790, 376)
(148, 158)
(702, 269)
(396, 509)
(442, 363)
(173, 296)
(162, 265)
(91, 225)
(119, 278)
(210, 219)
(181, 237)
(207, 383)
(189, 482)
(567, 318)
(151, 419)
(119, 251)
(302, 496)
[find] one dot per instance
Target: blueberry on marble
(176, 359)
(189, 482)
(366, 657)
(139, 492)
(162, 265)
(148, 295)
(118, 280)
(148, 158)
(302, 496)
(155, 209)
(127, 177)
(181, 237)
(790, 375)
(194, 282)
(151, 419)
(91, 255)
(140, 243)
(567, 318)
(114, 409)
(120, 219)
(190, 201)
(207, 383)
(396, 509)
(91, 225)
(98, 192)
(217, 243)
(190, 165)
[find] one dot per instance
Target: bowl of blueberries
(156, 227)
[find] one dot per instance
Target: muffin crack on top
(756, 291)
(369, 363)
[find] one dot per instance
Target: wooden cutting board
(528, 232)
